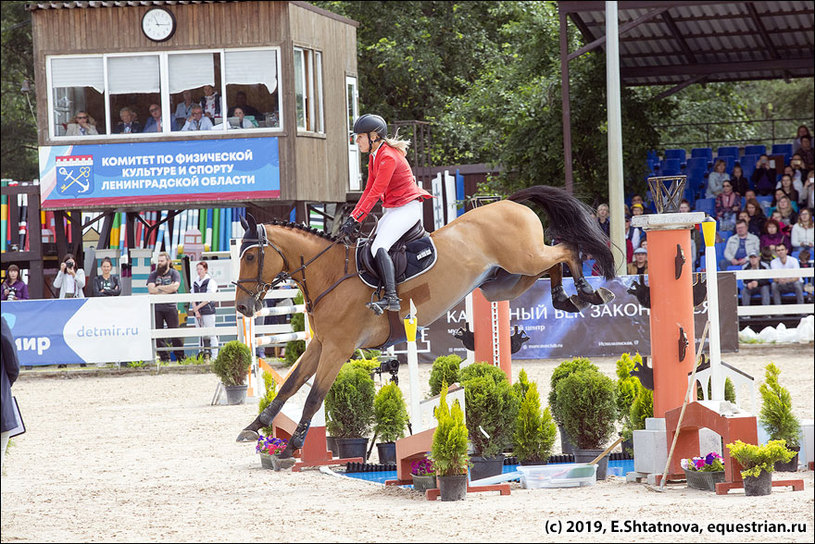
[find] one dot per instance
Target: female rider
(390, 180)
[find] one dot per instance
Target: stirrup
(390, 304)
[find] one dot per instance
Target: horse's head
(260, 270)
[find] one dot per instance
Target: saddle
(413, 254)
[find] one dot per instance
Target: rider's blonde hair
(397, 143)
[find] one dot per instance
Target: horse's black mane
(304, 228)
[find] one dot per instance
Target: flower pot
(387, 452)
(628, 446)
(532, 462)
(789, 466)
(424, 482)
(453, 488)
(566, 443)
(587, 456)
(266, 461)
(757, 486)
(352, 447)
(331, 443)
(484, 467)
(706, 481)
(235, 394)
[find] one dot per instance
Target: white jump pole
(411, 324)
(711, 277)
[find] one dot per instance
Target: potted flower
(589, 415)
(267, 447)
(777, 417)
(561, 371)
(445, 369)
(349, 407)
(704, 472)
(449, 449)
(232, 366)
(758, 463)
(424, 474)
(492, 407)
(390, 414)
(535, 432)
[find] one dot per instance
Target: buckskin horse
(498, 248)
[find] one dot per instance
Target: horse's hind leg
(304, 369)
(560, 299)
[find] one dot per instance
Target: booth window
(308, 89)
(134, 85)
(77, 85)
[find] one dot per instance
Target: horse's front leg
(304, 368)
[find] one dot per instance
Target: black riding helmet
(368, 123)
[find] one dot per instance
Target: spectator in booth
(755, 286)
(803, 233)
(740, 183)
(197, 121)
(165, 280)
(106, 284)
(70, 279)
(156, 122)
(764, 177)
(739, 246)
(774, 237)
(806, 153)
(716, 178)
(204, 311)
(13, 287)
(602, 218)
(183, 110)
(788, 186)
(786, 285)
(640, 264)
(128, 123)
(728, 205)
(240, 102)
(243, 122)
(82, 125)
(803, 130)
(786, 210)
(756, 215)
(211, 103)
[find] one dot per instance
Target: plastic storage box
(563, 475)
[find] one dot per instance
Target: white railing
(774, 309)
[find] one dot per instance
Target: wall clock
(158, 24)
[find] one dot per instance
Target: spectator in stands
(156, 122)
(602, 218)
(13, 287)
(806, 153)
(106, 285)
(696, 240)
(70, 279)
(786, 285)
(764, 177)
(803, 232)
(629, 246)
(716, 178)
(197, 121)
(211, 103)
(773, 236)
(636, 234)
(740, 183)
(637, 199)
(809, 191)
(803, 130)
(755, 286)
(183, 110)
(165, 280)
(82, 125)
(767, 255)
(786, 184)
(728, 205)
(240, 102)
(795, 171)
(757, 217)
(243, 122)
(640, 264)
(739, 246)
(785, 208)
(204, 311)
(128, 124)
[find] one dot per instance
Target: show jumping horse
(498, 247)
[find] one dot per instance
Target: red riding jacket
(390, 180)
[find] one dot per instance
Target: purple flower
(711, 457)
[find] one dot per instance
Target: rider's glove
(349, 227)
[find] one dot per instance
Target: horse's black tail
(571, 222)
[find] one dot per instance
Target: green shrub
(561, 371)
(757, 459)
(445, 370)
(776, 409)
(627, 385)
(534, 431)
(266, 400)
(232, 363)
(522, 386)
(591, 410)
(390, 413)
(368, 365)
(349, 404)
(642, 408)
(295, 348)
(491, 406)
(449, 449)
(729, 390)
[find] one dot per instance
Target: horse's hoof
(598, 298)
(566, 305)
(282, 463)
(579, 303)
(248, 435)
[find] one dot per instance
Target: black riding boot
(387, 274)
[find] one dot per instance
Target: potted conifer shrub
(390, 414)
(492, 407)
(627, 388)
(777, 417)
(561, 371)
(232, 367)
(589, 415)
(535, 431)
(758, 463)
(349, 407)
(449, 449)
(445, 370)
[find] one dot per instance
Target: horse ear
(244, 224)
(252, 221)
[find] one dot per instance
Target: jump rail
(774, 309)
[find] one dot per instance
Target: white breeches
(394, 223)
(208, 320)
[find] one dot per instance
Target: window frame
(312, 81)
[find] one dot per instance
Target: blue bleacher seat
(755, 149)
(704, 152)
(730, 161)
(732, 267)
(675, 154)
(707, 205)
(730, 151)
(748, 164)
(782, 149)
(719, 246)
(670, 167)
(765, 201)
(725, 234)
